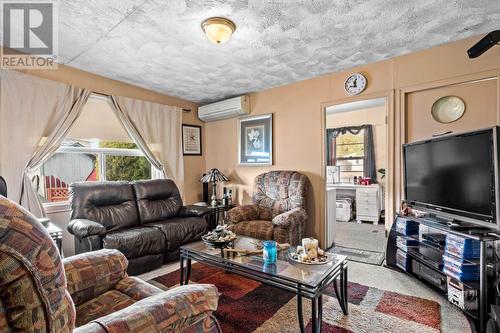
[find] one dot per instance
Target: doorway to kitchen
(356, 160)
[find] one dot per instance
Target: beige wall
(296, 145)
(374, 116)
(480, 99)
(299, 121)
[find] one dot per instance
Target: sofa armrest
(193, 211)
(93, 273)
(169, 311)
(243, 213)
(82, 228)
(296, 215)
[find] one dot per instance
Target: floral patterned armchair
(40, 292)
(278, 210)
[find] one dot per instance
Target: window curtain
(369, 166)
(331, 141)
(156, 129)
(35, 116)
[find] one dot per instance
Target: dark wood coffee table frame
(314, 293)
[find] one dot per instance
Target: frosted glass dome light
(218, 29)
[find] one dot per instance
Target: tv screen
(453, 174)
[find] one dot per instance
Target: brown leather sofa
(145, 220)
(278, 211)
(90, 292)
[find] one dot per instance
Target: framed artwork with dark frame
(191, 140)
(255, 140)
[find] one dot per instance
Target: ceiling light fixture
(218, 29)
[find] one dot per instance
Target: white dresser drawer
(369, 218)
(370, 210)
(366, 192)
(366, 200)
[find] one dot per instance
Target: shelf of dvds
(458, 263)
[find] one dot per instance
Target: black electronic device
(487, 42)
(429, 256)
(434, 277)
(454, 178)
(434, 239)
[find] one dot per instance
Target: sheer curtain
(35, 116)
(156, 129)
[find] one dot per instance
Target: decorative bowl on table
(320, 260)
(310, 253)
(220, 237)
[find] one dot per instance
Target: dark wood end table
(216, 213)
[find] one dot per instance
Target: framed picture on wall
(255, 138)
(191, 139)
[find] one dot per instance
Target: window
(89, 161)
(81, 157)
(349, 155)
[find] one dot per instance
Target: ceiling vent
(229, 108)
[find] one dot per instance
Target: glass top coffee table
(309, 281)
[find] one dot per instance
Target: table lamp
(213, 176)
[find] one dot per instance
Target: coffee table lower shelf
(338, 277)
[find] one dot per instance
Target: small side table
(56, 234)
(216, 212)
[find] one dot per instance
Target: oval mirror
(448, 109)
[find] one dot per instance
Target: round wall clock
(448, 109)
(355, 84)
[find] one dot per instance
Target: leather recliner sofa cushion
(181, 230)
(111, 204)
(136, 242)
(157, 199)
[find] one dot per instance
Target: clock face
(355, 84)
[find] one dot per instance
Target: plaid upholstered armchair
(278, 210)
(39, 292)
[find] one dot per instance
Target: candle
(310, 246)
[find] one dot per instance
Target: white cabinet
(369, 203)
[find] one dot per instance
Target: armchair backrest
(93, 273)
(157, 199)
(110, 203)
(276, 192)
(33, 295)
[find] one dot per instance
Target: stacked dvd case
(406, 227)
(459, 257)
(404, 242)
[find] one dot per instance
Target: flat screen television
(455, 176)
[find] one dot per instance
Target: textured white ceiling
(158, 44)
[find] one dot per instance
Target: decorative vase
(270, 252)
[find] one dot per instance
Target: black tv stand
(451, 223)
(428, 259)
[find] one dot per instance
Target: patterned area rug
(364, 256)
(249, 306)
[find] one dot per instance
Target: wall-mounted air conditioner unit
(229, 108)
